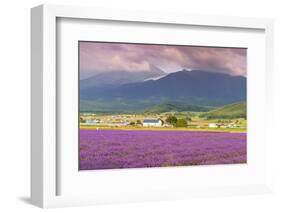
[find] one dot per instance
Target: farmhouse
(152, 123)
(213, 125)
(232, 125)
(90, 122)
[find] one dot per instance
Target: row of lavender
(112, 149)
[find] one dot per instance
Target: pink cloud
(101, 57)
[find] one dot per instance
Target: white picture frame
(44, 153)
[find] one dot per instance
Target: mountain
(195, 87)
(111, 107)
(230, 111)
(116, 78)
(175, 107)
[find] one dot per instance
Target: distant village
(128, 120)
(121, 120)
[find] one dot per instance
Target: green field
(165, 129)
(229, 118)
(230, 111)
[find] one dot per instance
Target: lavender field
(112, 149)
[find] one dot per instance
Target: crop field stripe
(113, 149)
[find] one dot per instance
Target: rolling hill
(230, 111)
(175, 107)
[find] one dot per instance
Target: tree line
(177, 122)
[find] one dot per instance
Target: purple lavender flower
(112, 149)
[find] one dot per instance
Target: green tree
(132, 123)
(82, 120)
(188, 119)
(181, 123)
(138, 122)
(171, 120)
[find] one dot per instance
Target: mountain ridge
(197, 87)
(183, 86)
(119, 77)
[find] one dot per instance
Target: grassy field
(196, 122)
(163, 128)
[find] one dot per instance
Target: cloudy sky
(103, 57)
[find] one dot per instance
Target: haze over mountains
(134, 91)
(116, 78)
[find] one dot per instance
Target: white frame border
(43, 91)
